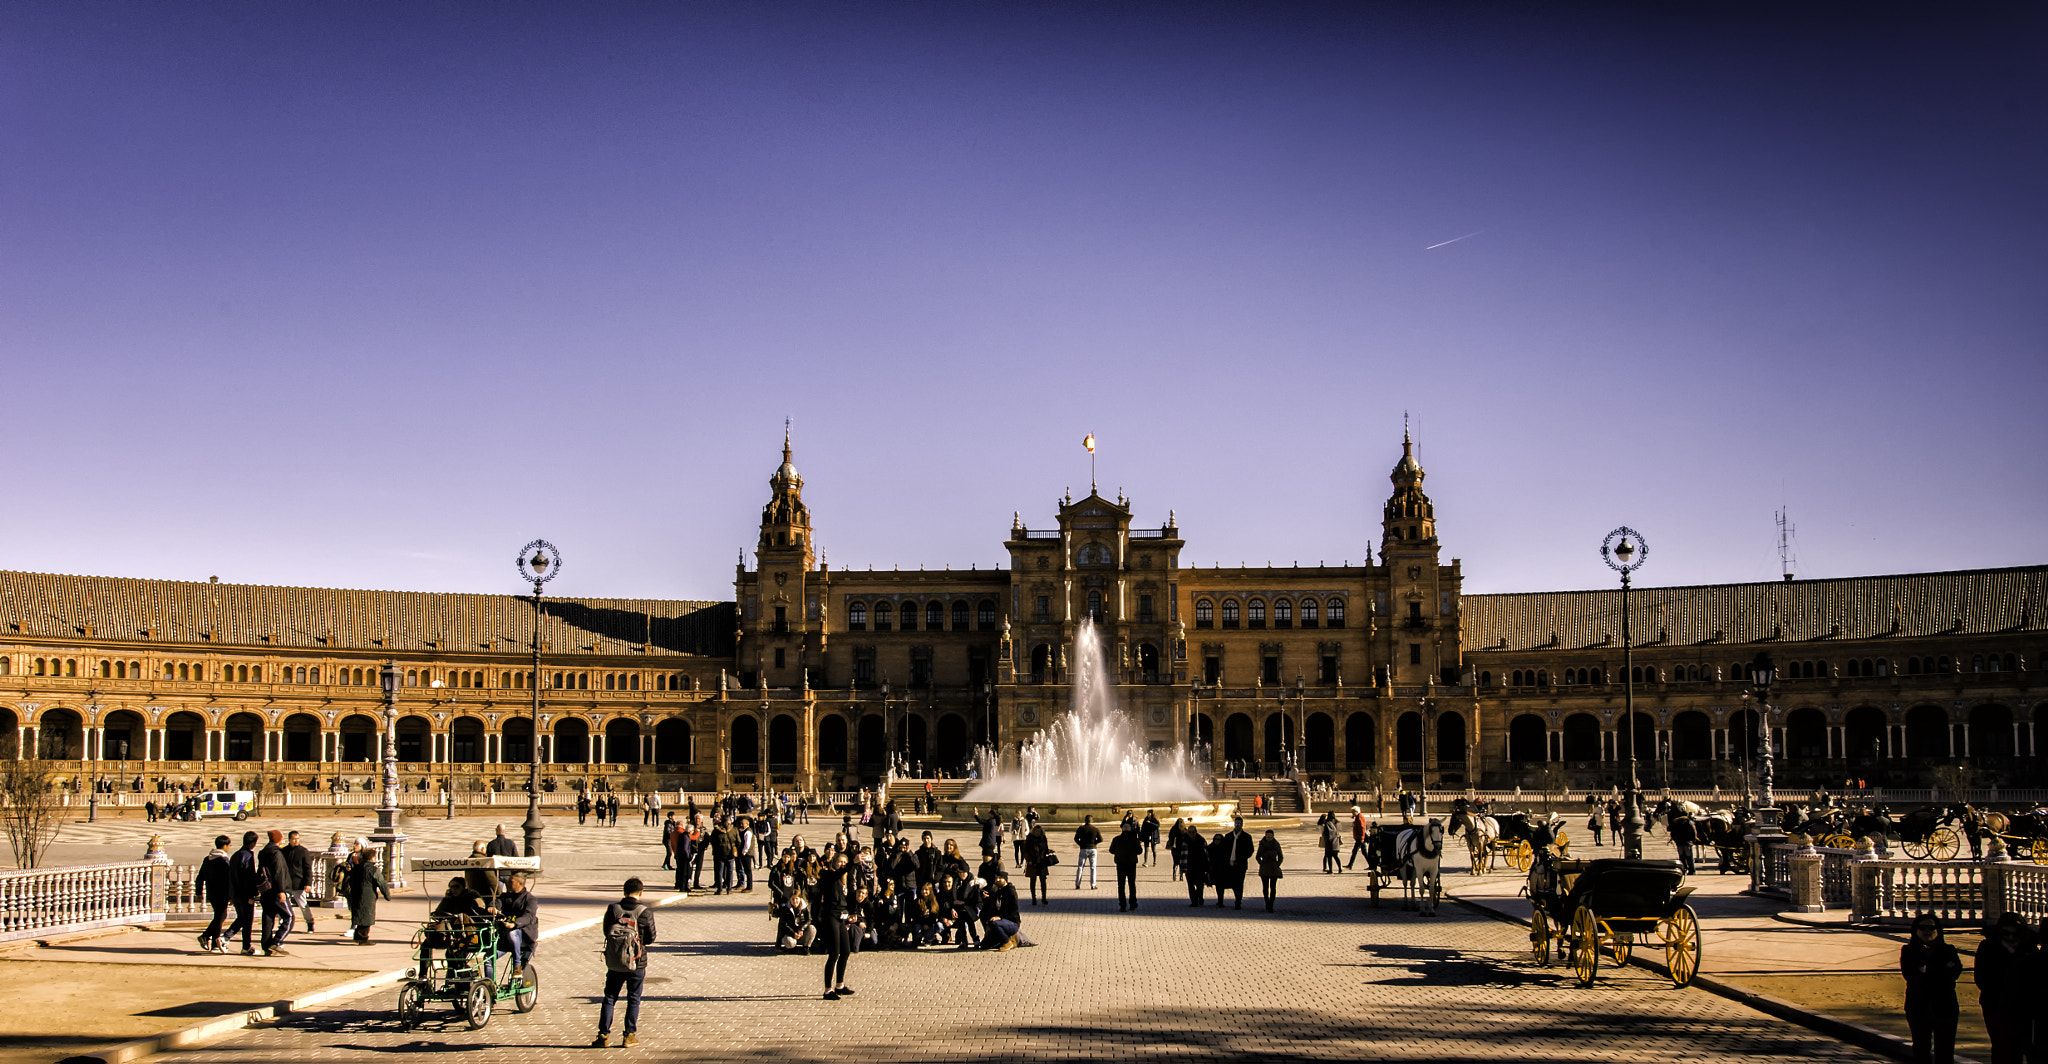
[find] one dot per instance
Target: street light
(1625, 557)
(538, 562)
(1762, 674)
(387, 833)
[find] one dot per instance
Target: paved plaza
(1326, 977)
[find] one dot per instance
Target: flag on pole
(1088, 441)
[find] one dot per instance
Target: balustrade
(36, 902)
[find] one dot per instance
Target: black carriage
(2024, 834)
(1931, 834)
(1584, 907)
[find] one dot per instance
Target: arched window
(857, 616)
(1095, 605)
(1205, 614)
(106, 669)
(1229, 613)
(985, 615)
(1255, 611)
(884, 613)
(935, 616)
(1308, 613)
(960, 616)
(1336, 613)
(908, 616)
(1283, 614)
(1543, 677)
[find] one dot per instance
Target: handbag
(1051, 859)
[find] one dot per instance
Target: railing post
(1864, 870)
(1806, 879)
(159, 877)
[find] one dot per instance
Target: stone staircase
(1282, 796)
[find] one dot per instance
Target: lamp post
(85, 749)
(539, 562)
(1762, 674)
(1624, 551)
(387, 834)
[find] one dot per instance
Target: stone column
(1806, 876)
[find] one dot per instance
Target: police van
(238, 804)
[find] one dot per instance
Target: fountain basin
(1106, 814)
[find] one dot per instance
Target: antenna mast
(1788, 559)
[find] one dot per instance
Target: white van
(238, 804)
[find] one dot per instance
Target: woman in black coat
(1269, 858)
(1194, 863)
(1930, 966)
(835, 917)
(2008, 976)
(1038, 862)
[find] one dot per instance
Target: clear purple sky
(369, 294)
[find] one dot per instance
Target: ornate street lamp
(1762, 674)
(387, 834)
(1624, 552)
(539, 562)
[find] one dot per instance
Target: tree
(1551, 778)
(1955, 781)
(33, 816)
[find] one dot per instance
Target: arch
(1450, 738)
(1582, 737)
(1203, 728)
(672, 742)
(1148, 662)
(1408, 738)
(122, 737)
(1863, 733)
(1280, 737)
(874, 742)
(1991, 731)
(1319, 740)
(1645, 736)
(1806, 734)
(1237, 737)
(515, 741)
(59, 735)
(857, 616)
(907, 617)
(1205, 613)
(831, 740)
(1361, 741)
(1927, 732)
(572, 742)
(466, 741)
(1255, 612)
(951, 751)
(960, 615)
(916, 737)
(244, 737)
(184, 736)
(1692, 736)
(935, 616)
(302, 738)
(622, 741)
(10, 733)
(1742, 735)
(784, 743)
(1229, 613)
(416, 739)
(1527, 739)
(743, 742)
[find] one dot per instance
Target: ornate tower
(780, 601)
(1410, 520)
(1422, 595)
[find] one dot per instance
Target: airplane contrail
(1455, 239)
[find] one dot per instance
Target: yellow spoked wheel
(1620, 942)
(1521, 856)
(1539, 937)
(2037, 850)
(1564, 845)
(1839, 841)
(1917, 849)
(1585, 946)
(1944, 844)
(1681, 931)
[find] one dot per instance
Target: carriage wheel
(1564, 845)
(529, 989)
(1945, 843)
(1841, 842)
(1585, 946)
(1621, 942)
(1681, 931)
(412, 1001)
(2037, 850)
(1521, 856)
(1539, 936)
(1917, 849)
(478, 1003)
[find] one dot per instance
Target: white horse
(1661, 815)
(1420, 852)
(1479, 832)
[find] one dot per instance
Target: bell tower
(1410, 519)
(1421, 600)
(780, 601)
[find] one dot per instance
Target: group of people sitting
(899, 896)
(474, 899)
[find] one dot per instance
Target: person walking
(723, 848)
(362, 884)
(1684, 834)
(1148, 833)
(2008, 977)
(836, 915)
(650, 806)
(300, 861)
(1358, 845)
(743, 855)
(682, 847)
(628, 931)
(1038, 862)
(1194, 864)
(991, 832)
(1593, 825)
(1018, 829)
(275, 895)
(1328, 831)
(1269, 857)
(1930, 966)
(212, 884)
(1087, 837)
(1124, 851)
(582, 809)
(669, 828)
(1230, 858)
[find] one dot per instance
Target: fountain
(1090, 761)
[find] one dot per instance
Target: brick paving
(1326, 977)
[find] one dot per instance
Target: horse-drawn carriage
(1932, 834)
(1512, 839)
(1584, 907)
(2024, 834)
(456, 958)
(1411, 854)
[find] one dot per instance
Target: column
(600, 749)
(1342, 754)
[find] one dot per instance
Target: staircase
(1282, 796)
(904, 791)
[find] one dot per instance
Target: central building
(1253, 668)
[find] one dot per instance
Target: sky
(371, 294)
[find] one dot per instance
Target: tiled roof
(1968, 602)
(311, 618)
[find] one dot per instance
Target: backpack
(623, 951)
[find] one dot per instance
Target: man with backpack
(628, 931)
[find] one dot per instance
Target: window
(908, 616)
(857, 617)
(985, 615)
(1044, 611)
(883, 614)
(920, 669)
(1212, 669)
(1308, 613)
(1415, 611)
(1229, 613)
(1486, 679)
(1095, 605)
(778, 657)
(1415, 653)
(782, 618)
(864, 665)
(1205, 613)
(107, 669)
(1283, 614)
(1326, 673)
(1144, 609)
(1269, 669)
(1256, 613)
(1336, 613)
(934, 616)
(960, 616)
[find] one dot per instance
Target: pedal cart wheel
(1585, 946)
(529, 989)
(412, 1001)
(478, 1003)
(1681, 931)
